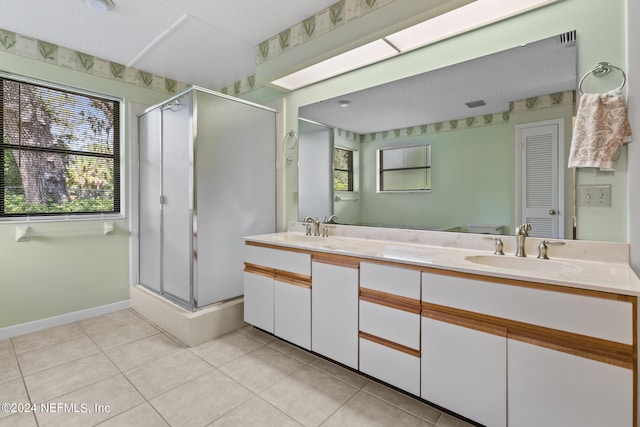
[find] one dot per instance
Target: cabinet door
(464, 370)
(552, 388)
(334, 312)
(390, 365)
(258, 301)
(292, 313)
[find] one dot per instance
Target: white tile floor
(119, 370)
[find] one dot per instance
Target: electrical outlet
(595, 196)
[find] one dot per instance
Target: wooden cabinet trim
(533, 285)
(390, 300)
(279, 275)
(393, 264)
(384, 342)
(293, 278)
(277, 247)
(259, 270)
(598, 349)
(333, 259)
(592, 353)
(465, 322)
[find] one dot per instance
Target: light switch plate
(595, 196)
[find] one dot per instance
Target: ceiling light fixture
(99, 5)
(366, 54)
(344, 103)
(466, 18)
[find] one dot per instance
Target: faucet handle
(330, 220)
(498, 244)
(543, 248)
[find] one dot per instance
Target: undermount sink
(523, 264)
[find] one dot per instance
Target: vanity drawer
(400, 281)
(392, 366)
(598, 315)
(291, 261)
(392, 324)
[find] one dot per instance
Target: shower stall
(206, 178)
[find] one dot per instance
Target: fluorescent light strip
(466, 18)
(348, 61)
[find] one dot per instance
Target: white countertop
(614, 276)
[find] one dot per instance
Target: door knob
(552, 212)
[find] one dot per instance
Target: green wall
(68, 266)
(471, 173)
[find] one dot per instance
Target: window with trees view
(342, 169)
(60, 151)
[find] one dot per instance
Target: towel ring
(289, 136)
(601, 69)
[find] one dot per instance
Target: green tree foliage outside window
(59, 150)
(342, 169)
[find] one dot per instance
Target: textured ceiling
(539, 68)
(209, 43)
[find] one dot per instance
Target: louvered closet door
(540, 188)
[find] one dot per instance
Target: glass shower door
(150, 152)
(177, 199)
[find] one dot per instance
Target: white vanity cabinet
(463, 362)
(390, 324)
(277, 292)
(334, 308)
(503, 351)
(554, 388)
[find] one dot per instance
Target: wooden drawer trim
(534, 285)
(596, 354)
(259, 270)
(279, 275)
(598, 349)
(339, 260)
(391, 300)
(277, 247)
(465, 322)
(394, 264)
(399, 347)
(293, 278)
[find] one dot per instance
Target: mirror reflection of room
(475, 117)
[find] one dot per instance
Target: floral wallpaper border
(63, 57)
(542, 102)
(335, 16)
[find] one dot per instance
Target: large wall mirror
(476, 117)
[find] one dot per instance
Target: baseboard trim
(38, 325)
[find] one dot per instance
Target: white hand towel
(602, 126)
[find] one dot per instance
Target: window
(60, 151)
(404, 169)
(342, 169)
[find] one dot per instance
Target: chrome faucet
(316, 225)
(522, 231)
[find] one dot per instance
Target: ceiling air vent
(568, 39)
(474, 104)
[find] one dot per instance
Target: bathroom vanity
(497, 339)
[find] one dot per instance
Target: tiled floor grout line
(24, 383)
(262, 339)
